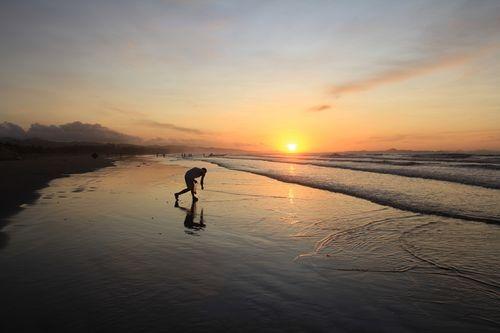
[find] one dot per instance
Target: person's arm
(202, 178)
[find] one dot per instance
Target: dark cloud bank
(70, 132)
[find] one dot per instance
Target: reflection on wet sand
(4, 238)
(190, 216)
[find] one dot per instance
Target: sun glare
(292, 147)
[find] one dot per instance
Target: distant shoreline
(21, 179)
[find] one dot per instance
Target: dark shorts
(189, 182)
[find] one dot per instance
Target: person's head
(204, 170)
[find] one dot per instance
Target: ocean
(463, 186)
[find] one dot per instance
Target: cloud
(486, 134)
(156, 124)
(398, 138)
(319, 108)
(178, 141)
(10, 130)
(81, 132)
(471, 32)
(123, 111)
(194, 142)
(75, 131)
(78, 131)
(403, 72)
(140, 118)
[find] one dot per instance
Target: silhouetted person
(190, 216)
(189, 177)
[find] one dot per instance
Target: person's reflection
(4, 239)
(190, 216)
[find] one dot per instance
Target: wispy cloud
(486, 134)
(124, 112)
(403, 72)
(398, 138)
(196, 142)
(169, 126)
(319, 108)
(472, 32)
(140, 118)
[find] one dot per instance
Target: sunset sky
(258, 75)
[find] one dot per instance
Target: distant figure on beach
(189, 177)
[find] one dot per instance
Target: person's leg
(181, 192)
(189, 187)
(194, 196)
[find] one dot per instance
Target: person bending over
(189, 177)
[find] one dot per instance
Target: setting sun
(292, 147)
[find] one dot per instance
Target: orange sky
(326, 75)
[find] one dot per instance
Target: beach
(20, 179)
(109, 250)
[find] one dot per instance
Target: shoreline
(22, 179)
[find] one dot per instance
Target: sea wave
(415, 195)
(483, 175)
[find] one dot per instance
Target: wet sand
(109, 250)
(21, 179)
